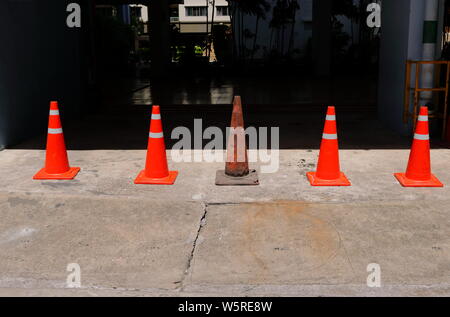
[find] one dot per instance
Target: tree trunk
(233, 28)
(271, 40)
(212, 29)
(255, 38)
(207, 27)
(239, 32)
(291, 39)
(242, 36)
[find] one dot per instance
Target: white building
(194, 14)
(143, 11)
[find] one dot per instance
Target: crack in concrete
(225, 203)
(194, 245)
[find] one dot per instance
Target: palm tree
(207, 26)
(293, 7)
(348, 9)
(260, 13)
(212, 27)
(239, 8)
(283, 15)
(209, 30)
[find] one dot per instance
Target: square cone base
(169, 180)
(223, 179)
(406, 182)
(70, 174)
(315, 181)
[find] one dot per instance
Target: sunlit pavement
(283, 237)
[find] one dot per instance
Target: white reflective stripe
(423, 118)
(156, 117)
(159, 135)
(54, 112)
(421, 137)
(331, 117)
(329, 136)
(55, 131)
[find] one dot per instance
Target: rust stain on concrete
(285, 232)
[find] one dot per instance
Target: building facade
(194, 16)
(48, 58)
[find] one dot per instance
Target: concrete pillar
(124, 13)
(429, 48)
(402, 33)
(321, 37)
(159, 27)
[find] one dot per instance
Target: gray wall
(402, 29)
(40, 61)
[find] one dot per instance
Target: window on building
(174, 15)
(136, 12)
(222, 11)
(196, 11)
(174, 12)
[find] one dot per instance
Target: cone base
(169, 180)
(315, 181)
(406, 182)
(70, 174)
(223, 179)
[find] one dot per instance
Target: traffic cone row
(418, 173)
(237, 172)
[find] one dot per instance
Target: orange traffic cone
(328, 171)
(236, 170)
(56, 161)
(156, 170)
(418, 173)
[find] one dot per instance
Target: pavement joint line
(202, 223)
(56, 286)
(246, 287)
(273, 201)
(80, 195)
(242, 290)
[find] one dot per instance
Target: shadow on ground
(299, 128)
(122, 119)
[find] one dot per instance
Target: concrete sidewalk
(283, 237)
